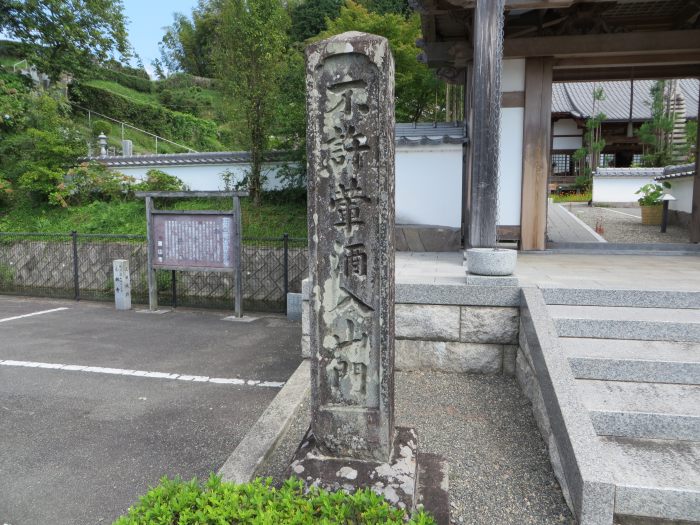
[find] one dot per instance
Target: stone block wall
(448, 337)
(454, 338)
(41, 267)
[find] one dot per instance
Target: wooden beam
(625, 73)
(488, 25)
(695, 217)
(513, 99)
(508, 233)
(615, 45)
(691, 57)
(539, 4)
(536, 153)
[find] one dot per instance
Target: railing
(123, 124)
(79, 266)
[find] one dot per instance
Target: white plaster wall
(205, 177)
(511, 146)
(566, 143)
(566, 127)
(618, 189)
(513, 75)
(682, 190)
(510, 166)
(429, 185)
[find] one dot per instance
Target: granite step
(642, 410)
(629, 360)
(654, 479)
(649, 324)
(621, 298)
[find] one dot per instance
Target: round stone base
(491, 261)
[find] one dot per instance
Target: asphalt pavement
(97, 405)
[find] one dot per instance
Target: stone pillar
(350, 103)
(122, 284)
(486, 82)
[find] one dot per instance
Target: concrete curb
(263, 437)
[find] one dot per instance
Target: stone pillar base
(397, 480)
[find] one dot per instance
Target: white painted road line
(33, 314)
(143, 373)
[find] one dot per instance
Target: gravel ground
(499, 466)
(625, 229)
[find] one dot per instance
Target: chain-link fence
(79, 266)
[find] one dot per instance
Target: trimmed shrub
(157, 180)
(143, 85)
(101, 126)
(193, 131)
(184, 80)
(191, 503)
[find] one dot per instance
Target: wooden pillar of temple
(467, 154)
(695, 219)
(537, 129)
(486, 83)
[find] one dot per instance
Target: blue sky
(147, 18)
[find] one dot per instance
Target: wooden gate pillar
(486, 82)
(536, 153)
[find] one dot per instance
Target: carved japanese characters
(351, 222)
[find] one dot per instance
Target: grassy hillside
(268, 220)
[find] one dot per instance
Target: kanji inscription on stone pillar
(350, 103)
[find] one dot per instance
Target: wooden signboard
(188, 241)
(196, 240)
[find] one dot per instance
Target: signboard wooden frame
(216, 248)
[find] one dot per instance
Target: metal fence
(79, 266)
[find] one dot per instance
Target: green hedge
(194, 132)
(139, 84)
(13, 49)
(175, 502)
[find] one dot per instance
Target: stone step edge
(656, 503)
(646, 425)
(626, 329)
(636, 370)
(621, 297)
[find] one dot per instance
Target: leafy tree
(188, 44)
(309, 18)
(416, 85)
(691, 135)
(655, 134)
(594, 143)
(251, 47)
(66, 36)
(399, 7)
(37, 142)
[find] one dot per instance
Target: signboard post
(194, 240)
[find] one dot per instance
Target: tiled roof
(185, 159)
(629, 172)
(676, 172)
(428, 133)
(418, 134)
(576, 98)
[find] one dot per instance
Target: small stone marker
(122, 284)
(352, 441)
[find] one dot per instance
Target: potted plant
(651, 201)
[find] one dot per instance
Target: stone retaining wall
(40, 267)
(453, 337)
